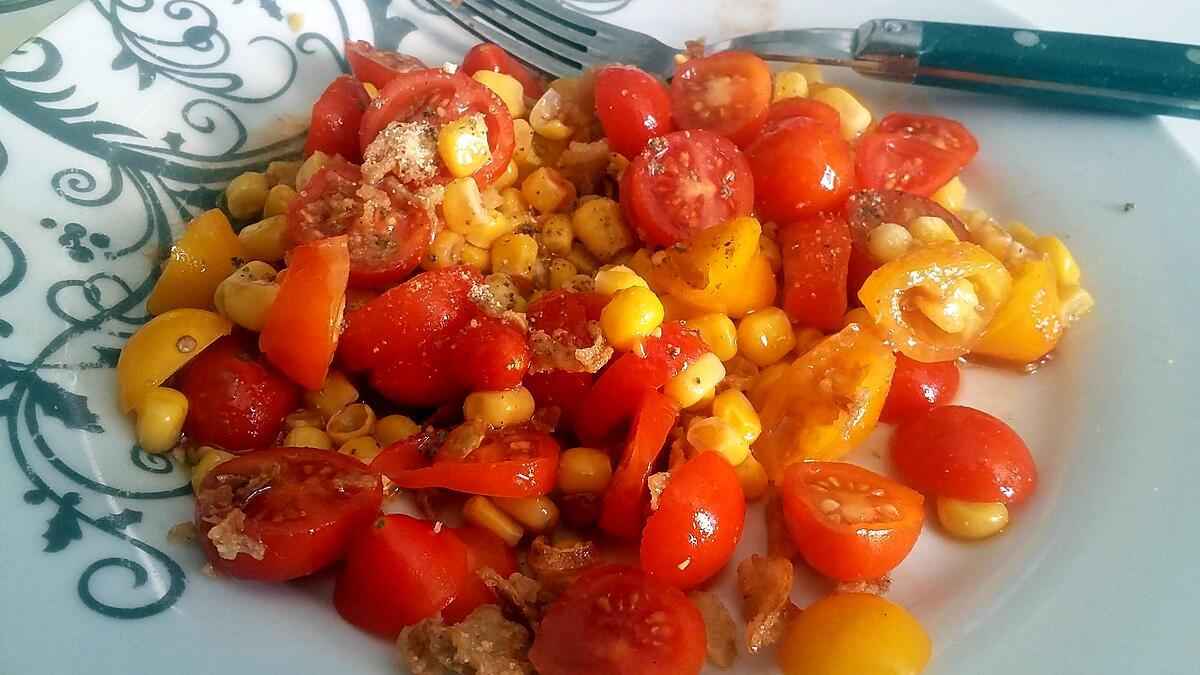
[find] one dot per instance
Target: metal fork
(1121, 74)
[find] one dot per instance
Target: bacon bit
(718, 626)
(182, 532)
(557, 352)
(765, 584)
(656, 484)
(556, 567)
(484, 643)
(694, 49)
(211, 571)
(519, 593)
(586, 164)
(878, 586)
(230, 540)
(464, 439)
(406, 150)
(779, 540)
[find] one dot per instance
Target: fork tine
(569, 18)
(497, 15)
(582, 38)
(555, 64)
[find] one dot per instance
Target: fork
(1117, 74)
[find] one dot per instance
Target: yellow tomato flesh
(854, 634)
(204, 256)
(161, 347)
(753, 287)
(1027, 326)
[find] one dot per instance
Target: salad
(511, 358)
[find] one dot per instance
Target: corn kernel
(371, 90)
(535, 514)
(951, 195)
(789, 84)
(543, 117)
(245, 296)
(1066, 270)
(307, 437)
(583, 470)
(1021, 232)
(479, 258)
(717, 331)
(713, 434)
(582, 259)
(704, 405)
(481, 512)
(547, 190)
(524, 154)
(160, 418)
(463, 145)
(888, 242)
(971, 520)
(993, 238)
(582, 283)
(753, 476)
(954, 314)
(445, 250)
(506, 88)
(465, 214)
(209, 460)
(770, 251)
(337, 393)
(278, 199)
(858, 315)
(394, 428)
(562, 272)
(508, 178)
(630, 316)
(696, 381)
(362, 448)
(505, 290)
(246, 195)
(930, 229)
(855, 116)
(555, 235)
(513, 205)
(810, 71)
(599, 226)
(732, 406)
(266, 240)
(283, 172)
(303, 418)
(515, 254)
(617, 278)
(310, 167)
(766, 336)
(499, 408)
(353, 421)
(764, 382)
(1074, 302)
(807, 338)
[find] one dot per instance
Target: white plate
(125, 117)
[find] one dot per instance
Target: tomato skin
(917, 387)
(892, 161)
(853, 634)
(489, 355)
(398, 571)
(816, 262)
(823, 114)
(333, 494)
(959, 452)
(698, 522)
(512, 462)
(945, 134)
(633, 108)
(562, 389)
(846, 550)
(562, 310)
(741, 81)
(235, 401)
(484, 56)
(484, 549)
(800, 168)
(378, 66)
(335, 119)
(578, 637)
(626, 497)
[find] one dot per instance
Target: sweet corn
(463, 145)
(535, 514)
(694, 383)
(732, 406)
(515, 254)
(770, 251)
(371, 90)
(362, 448)
(479, 258)
(278, 199)
(499, 408)
(508, 178)
(465, 214)
(481, 512)
(554, 234)
(303, 418)
(308, 437)
(704, 405)
(310, 167)
(393, 428)
(951, 195)
(582, 283)
(283, 172)
(598, 224)
(543, 117)
(764, 382)
(810, 71)
(753, 476)
(1074, 302)
(506, 88)
(513, 205)
(716, 435)
(245, 296)
(631, 315)
(337, 393)
(547, 190)
(956, 313)
(930, 229)
(583, 470)
(505, 290)
(806, 339)
(789, 84)
(1021, 232)
(160, 418)
(1066, 270)
(717, 331)
(562, 272)
(445, 250)
(353, 421)
(888, 241)
(524, 154)
(855, 116)
(209, 460)
(246, 195)
(993, 238)
(858, 315)
(765, 336)
(266, 240)
(617, 278)
(971, 520)
(582, 259)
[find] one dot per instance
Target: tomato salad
(571, 329)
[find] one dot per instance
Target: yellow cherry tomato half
(751, 288)
(204, 256)
(161, 347)
(716, 255)
(1027, 326)
(854, 634)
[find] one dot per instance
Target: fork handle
(1119, 74)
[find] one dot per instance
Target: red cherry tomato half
(892, 161)
(698, 522)
(816, 260)
(962, 453)
(800, 168)
(561, 389)
(822, 113)
(917, 387)
(489, 355)
(633, 108)
(235, 400)
(626, 497)
(282, 513)
(512, 462)
(484, 550)
(398, 571)
(486, 56)
(438, 97)
(386, 241)
(727, 92)
(685, 182)
(618, 619)
(850, 524)
(564, 315)
(946, 134)
(378, 66)
(335, 119)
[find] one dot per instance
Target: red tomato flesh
(800, 168)
(484, 550)
(512, 462)
(633, 108)
(335, 119)
(917, 387)
(816, 261)
(378, 66)
(822, 113)
(946, 134)
(727, 92)
(893, 161)
(489, 355)
(486, 56)
(561, 389)
(627, 495)
(564, 315)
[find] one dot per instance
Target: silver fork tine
(500, 16)
(516, 45)
(580, 21)
(638, 48)
(585, 40)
